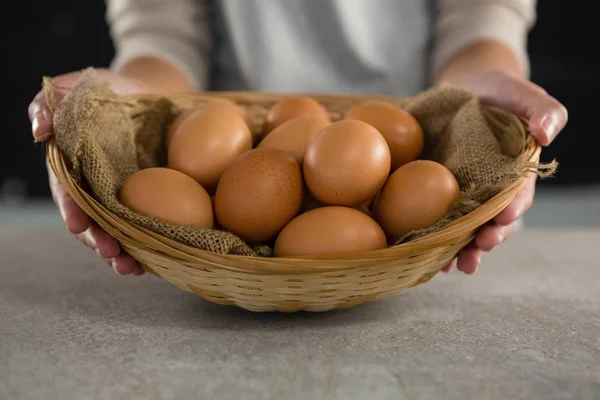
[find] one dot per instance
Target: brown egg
(329, 230)
(168, 195)
(206, 143)
(293, 107)
(400, 129)
(259, 193)
(416, 196)
(293, 136)
(216, 103)
(229, 105)
(176, 123)
(346, 163)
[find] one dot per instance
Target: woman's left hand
(546, 116)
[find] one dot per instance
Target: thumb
(40, 111)
(546, 115)
(40, 117)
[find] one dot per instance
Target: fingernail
(549, 127)
(501, 237)
(469, 273)
(47, 114)
(113, 264)
(37, 120)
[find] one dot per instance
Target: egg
(293, 107)
(167, 195)
(293, 136)
(416, 196)
(259, 193)
(215, 103)
(346, 163)
(206, 142)
(400, 129)
(176, 123)
(329, 230)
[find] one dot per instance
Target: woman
(371, 46)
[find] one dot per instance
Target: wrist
(482, 57)
(155, 74)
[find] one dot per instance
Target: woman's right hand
(75, 219)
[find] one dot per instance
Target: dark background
(53, 37)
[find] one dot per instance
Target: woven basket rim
(442, 237)
(257, 97)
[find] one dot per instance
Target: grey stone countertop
(526, 326)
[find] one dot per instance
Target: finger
(492, 235)
(84, 239)
(469, 259)
(124, 264)
(39, 111)
(39, 101)
(40, 117)
(449, 266)
(88, 240)
(76, 220)
(104, 244)
(546, 115)
(521, 203)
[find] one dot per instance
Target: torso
(335, 46)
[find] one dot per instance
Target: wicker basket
(292, 284)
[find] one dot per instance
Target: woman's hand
(75, 219)
(546, 116)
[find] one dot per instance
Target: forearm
(166, 45)
(477, 57)
(471, 36)
(156, 74)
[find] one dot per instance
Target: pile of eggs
(310, 186)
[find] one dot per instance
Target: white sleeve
(176, 31)
(462, 22)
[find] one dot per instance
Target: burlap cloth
(106, 138)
